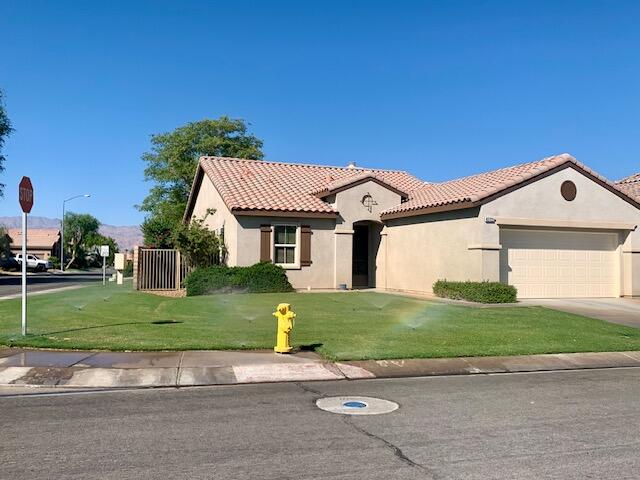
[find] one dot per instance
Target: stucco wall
(349, 203)
(423, 249)
(320, 274)
(208, 197)
(542, 200)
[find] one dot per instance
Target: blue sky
(441, 89)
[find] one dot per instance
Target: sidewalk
(197, 368)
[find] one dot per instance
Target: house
(42, 242)
(552, 228)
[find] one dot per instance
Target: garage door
(554, 263)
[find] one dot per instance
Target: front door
(360, 269)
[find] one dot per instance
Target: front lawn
(345, 326)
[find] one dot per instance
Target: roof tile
(630, 186)
(478, 187)
(287, 187)
(36, 237)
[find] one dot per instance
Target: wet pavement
(41, 358)
(48, 368)
(51, 358)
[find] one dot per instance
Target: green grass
(358, 325)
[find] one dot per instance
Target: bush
(55, 261)
(259, 278)
(128, 269)
(482, 292)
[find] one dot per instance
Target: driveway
(625, 311)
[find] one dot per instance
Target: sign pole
(104, 253)
(25, 198)
(24, 273)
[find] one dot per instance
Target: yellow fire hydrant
(285, 317)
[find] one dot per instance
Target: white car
(35, 263)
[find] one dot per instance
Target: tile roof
(361, 176)
(287, 187)
(631, 186)
(468, 190)
(36, 237)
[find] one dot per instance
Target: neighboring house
(552, 228)
(41, 242)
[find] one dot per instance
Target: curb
(88, 377)
(177, 377)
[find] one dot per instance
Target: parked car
(34, 263)
(9, 264)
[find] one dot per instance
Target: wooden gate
(160, 269)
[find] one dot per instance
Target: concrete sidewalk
(196, 368)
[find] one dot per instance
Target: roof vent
(351, 165)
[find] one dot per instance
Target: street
(38, 282)
(569, 425)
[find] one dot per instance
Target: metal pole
(62, 240)
(24, 273)
(104, 270)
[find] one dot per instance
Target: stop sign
(25, 194)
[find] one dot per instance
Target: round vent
(568, 190)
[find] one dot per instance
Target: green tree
(5, 130)
(78, 227)
(93, 243)
(171, 166)
(201, 246)
(5, 243)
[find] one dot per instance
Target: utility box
(118, 261)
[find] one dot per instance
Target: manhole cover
(356, 405)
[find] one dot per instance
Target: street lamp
(62, 230)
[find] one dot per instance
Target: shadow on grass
(154, 322)
(312, 347)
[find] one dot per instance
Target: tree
(78, 227)
(171, 166)
(94, 241)
(5, 130)
(5, 243)
(201, 246)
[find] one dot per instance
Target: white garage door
(555, 263)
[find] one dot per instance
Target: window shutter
(305, 245)
(265, 243)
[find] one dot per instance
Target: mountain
(126, 236)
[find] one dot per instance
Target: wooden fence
(159, 269)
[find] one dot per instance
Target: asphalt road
(37, 282)
(561, 425)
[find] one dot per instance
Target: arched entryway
(366, 242)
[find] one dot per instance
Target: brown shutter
(265, 243)
(305, 245)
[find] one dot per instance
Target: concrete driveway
(625, 311)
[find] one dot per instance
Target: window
(285, 244)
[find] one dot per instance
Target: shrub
(482, 292)
(259, 278)
(128, 269)
(55, 261)
(201, 246)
